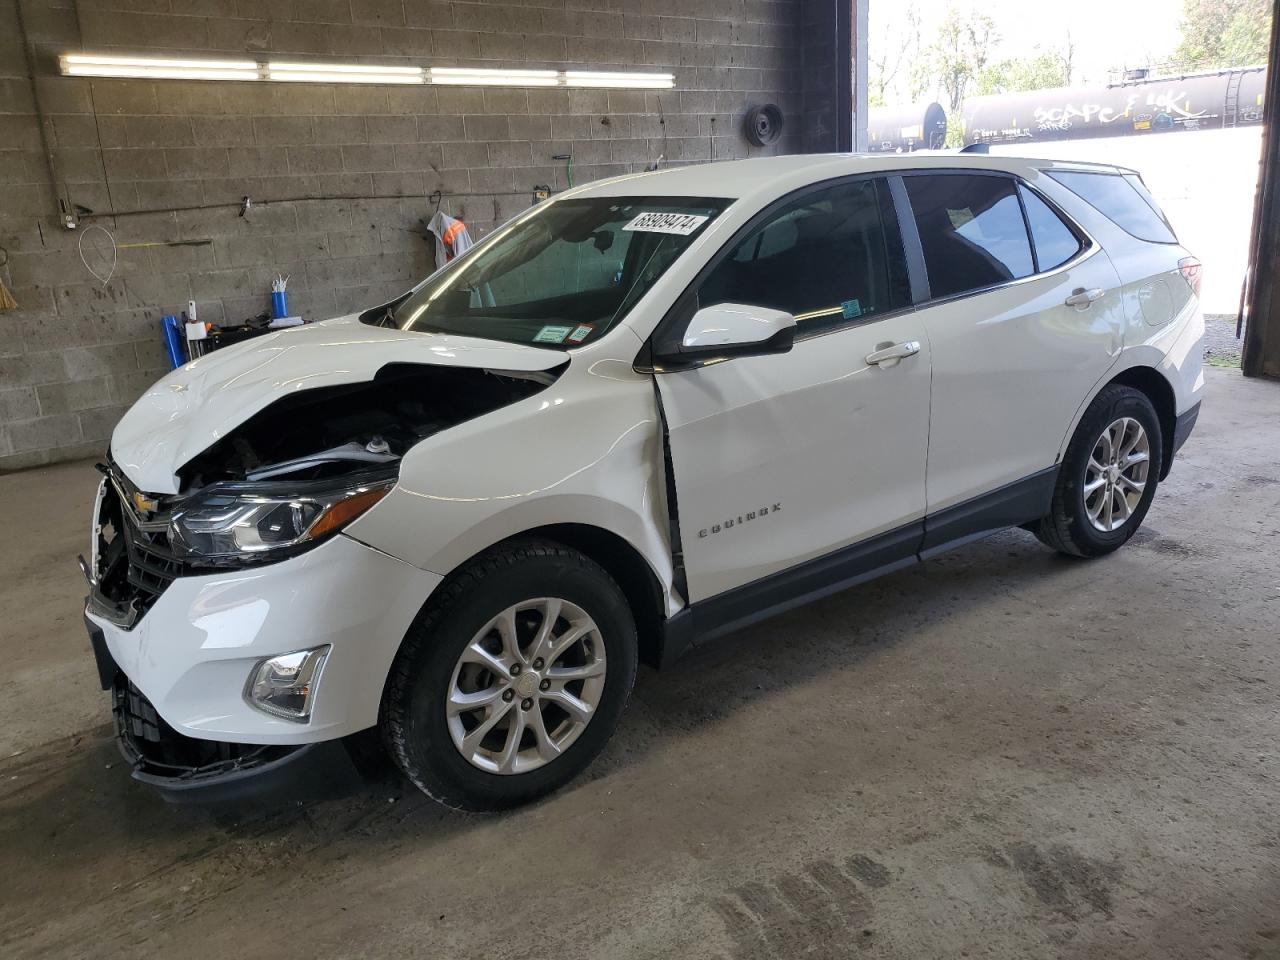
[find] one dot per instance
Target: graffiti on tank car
(1142, 105)
(1060, 118)
(1173, 104)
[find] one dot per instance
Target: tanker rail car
(1137, 107)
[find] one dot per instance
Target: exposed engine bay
(321, 433)
(261, 492)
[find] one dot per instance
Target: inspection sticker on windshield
(682, 224)
(552, 334)
(581, 332)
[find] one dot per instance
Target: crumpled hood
(197, 404)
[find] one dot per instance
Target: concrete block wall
(77, 351)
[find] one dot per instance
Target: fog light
(283, 686)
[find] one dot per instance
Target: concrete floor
(998, 753)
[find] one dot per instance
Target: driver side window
(828, 257)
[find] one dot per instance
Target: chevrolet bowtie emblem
(144, 503)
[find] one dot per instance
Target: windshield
(560, 277)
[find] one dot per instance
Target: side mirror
(733, 330)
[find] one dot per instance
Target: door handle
(1080, 297)
(889, 354)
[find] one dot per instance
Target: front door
(785, 458)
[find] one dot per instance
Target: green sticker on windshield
(552, 334)
(851, 309)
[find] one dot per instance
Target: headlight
(252, 520)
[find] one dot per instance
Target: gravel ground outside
(1221, 347)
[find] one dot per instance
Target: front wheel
(513, 680)
(1108, 476)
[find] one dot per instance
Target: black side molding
(812, 580)
(1009, 506)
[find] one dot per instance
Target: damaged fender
(586, 448)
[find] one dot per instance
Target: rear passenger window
(828, 257)
(972, 231)
(1053, 240)
(1121, 199)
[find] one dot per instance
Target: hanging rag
(451, 237)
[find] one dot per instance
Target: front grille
(136, 718)
(135, 562)
(152, 565)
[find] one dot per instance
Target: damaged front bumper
(178, 671)
(187, 770)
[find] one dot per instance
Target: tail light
(1191, 269)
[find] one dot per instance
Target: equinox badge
(739, 520)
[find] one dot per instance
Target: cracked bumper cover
(191, 654)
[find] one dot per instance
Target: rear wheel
(513, 680)
(1108, 476)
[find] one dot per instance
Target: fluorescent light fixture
(83, 65)
(289, 71)
(476, 76)
(341, 73)
(163, 73)
(606, 78)
(160, 62)
(344, 68)
(308, 76)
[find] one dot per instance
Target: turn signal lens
(344, 511)
(1191, 269)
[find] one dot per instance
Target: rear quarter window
(1122, 199)
(1054, 241)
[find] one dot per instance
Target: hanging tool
(568, 165)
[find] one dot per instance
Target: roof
(761, 176)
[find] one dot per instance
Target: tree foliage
(894, 56)
(1050, 68)
(1218, 34)
(959, 53)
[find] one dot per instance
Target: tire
(421, 735)
(1068, 527)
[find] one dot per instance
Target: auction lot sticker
(681, 224)
(552, 334)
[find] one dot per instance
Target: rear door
(784, 458)
(1020, 332)
(1146, 253)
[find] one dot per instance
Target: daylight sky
(1108, 34)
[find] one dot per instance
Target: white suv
(636, 417)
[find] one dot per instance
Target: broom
(6, 298)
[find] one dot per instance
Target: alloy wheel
(526, 686)
(1116, 475)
